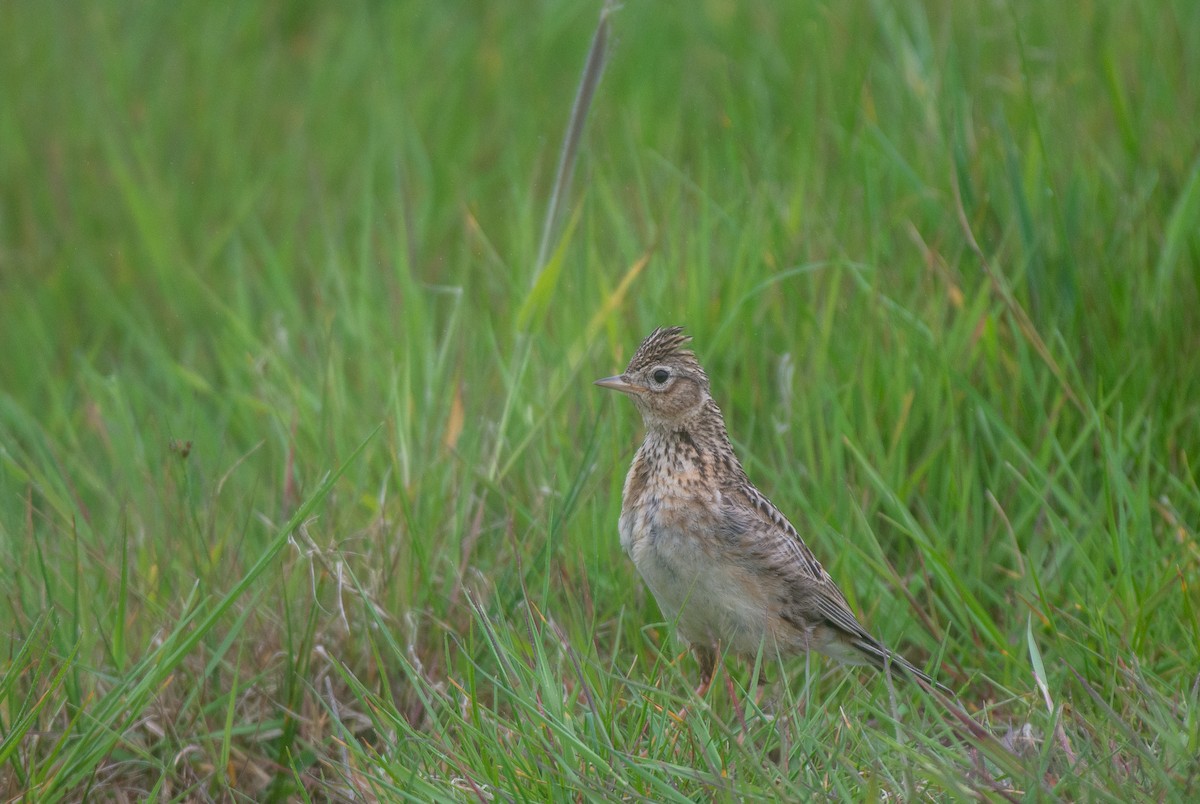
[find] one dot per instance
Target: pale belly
(710, 598)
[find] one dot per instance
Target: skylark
(724, 564)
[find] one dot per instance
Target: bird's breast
(671, 527)
(667, 491)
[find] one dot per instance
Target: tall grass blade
(593, 69)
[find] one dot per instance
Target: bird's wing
(748, 511)
(767, 536)
(764, 533)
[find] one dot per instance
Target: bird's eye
(661, 376)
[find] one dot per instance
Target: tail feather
(881, 658)
(851, 642)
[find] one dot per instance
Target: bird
(725, 565)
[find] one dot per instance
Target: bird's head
(664, 380)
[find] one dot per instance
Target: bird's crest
(661, 344)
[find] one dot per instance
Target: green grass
(942, 263)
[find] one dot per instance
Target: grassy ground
(304, 488)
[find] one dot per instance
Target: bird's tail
(881, 658)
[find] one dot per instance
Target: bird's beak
(618, 383)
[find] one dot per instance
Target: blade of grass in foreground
(24, 715)
(107, 720)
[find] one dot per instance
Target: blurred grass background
(942, 262)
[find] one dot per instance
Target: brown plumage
(724, 564)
